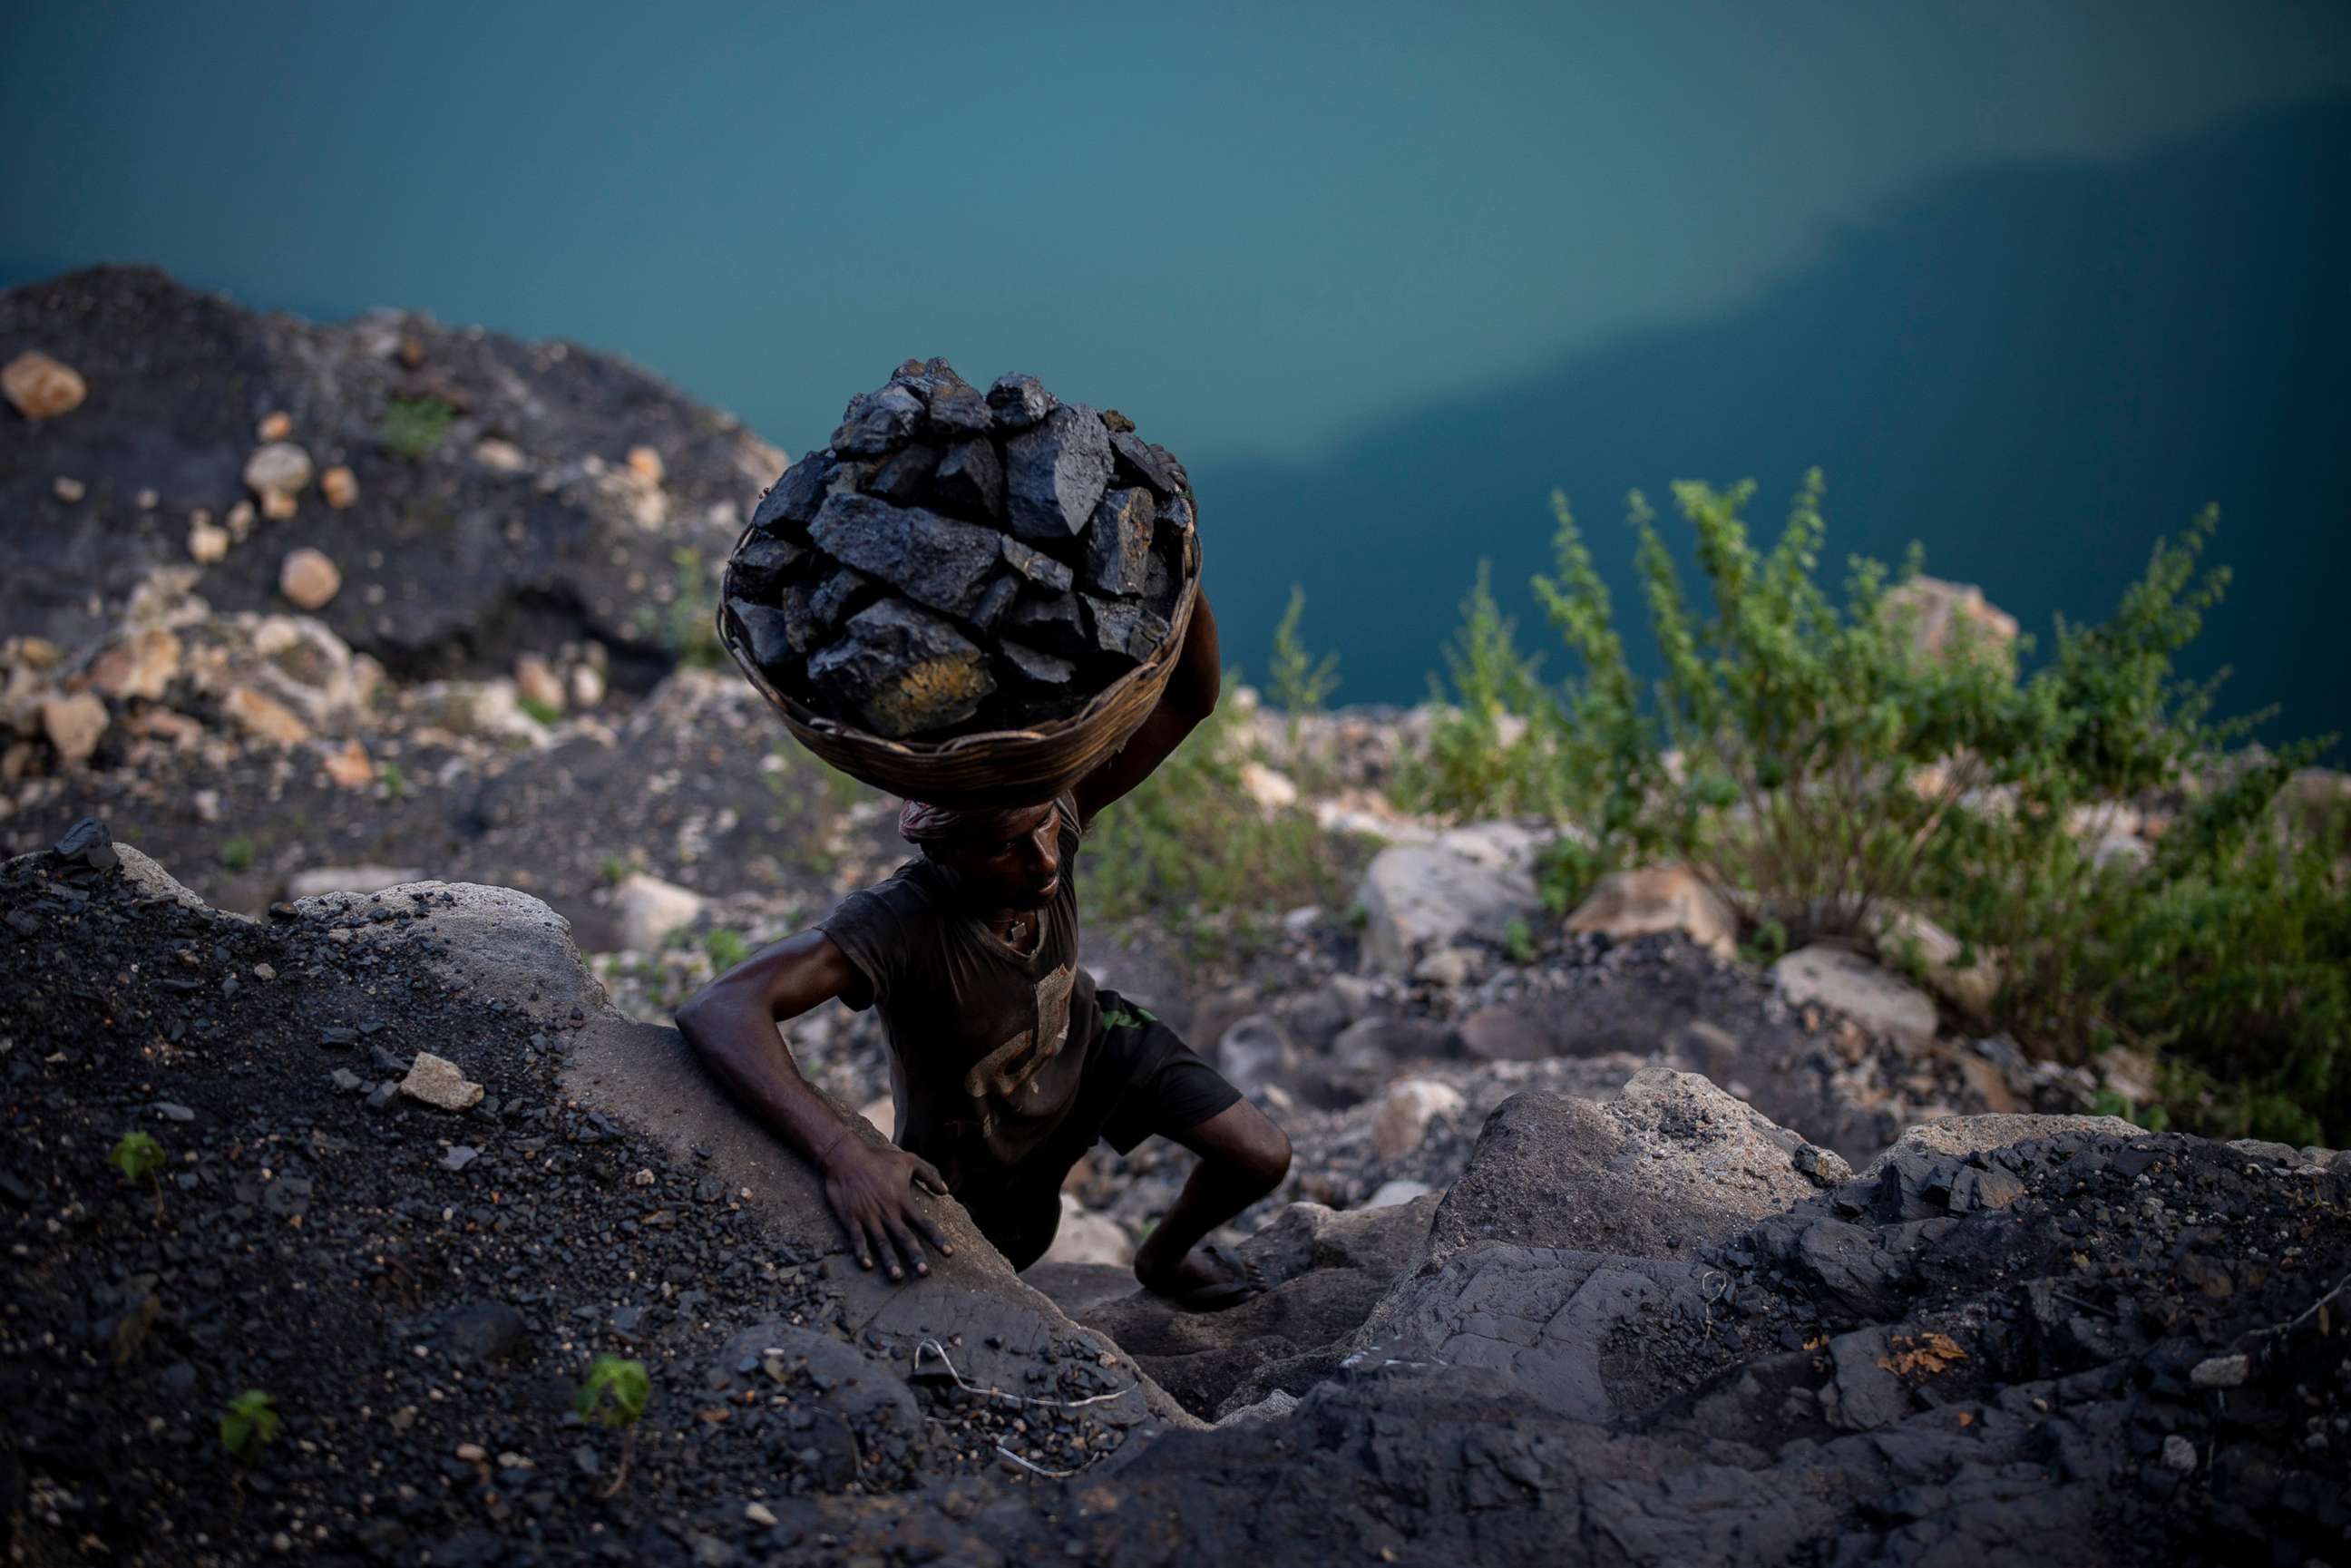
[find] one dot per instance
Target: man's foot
(1206, 1280)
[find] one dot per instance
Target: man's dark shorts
(1141, 1079)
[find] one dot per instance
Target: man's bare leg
(1243, 1157)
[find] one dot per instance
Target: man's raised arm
(731, 1024)
(1189, 697)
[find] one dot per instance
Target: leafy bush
(1807, 756)
(687, 627)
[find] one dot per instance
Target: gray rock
(834, 597)
(1669, 1166)
(1141, 463)
(900, 671)
(907, 474)
(1125, 629)
(1845, 981)
(1055, 473)
(1038, 566)
(1964, 1135)
(790, 505)
(481, 1332)
(1118, 541)
(970, 480)
(1424, 897)
(1056, 625)
(1257, 1053)
(1018, 401)
(437, 1082)
(933, 560)
(878, 421)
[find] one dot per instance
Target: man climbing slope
(1007, 1063)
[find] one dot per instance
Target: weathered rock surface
(1419, 896)
(901, 672)
(1642, 903)
(1844, 980)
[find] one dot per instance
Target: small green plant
(1296, 681)
(414, 426)
(249, 1424)
(237, 853)
(395, 781)
(1517, 941)
(614, 871)
(140, 1158)
(725, 948)
(614, 1394)
(544, 712)
(686, 626)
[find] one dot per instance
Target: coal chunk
(1018, 401)
(906, 475)
(931, 559)
(1038, 566)
(1175, 517)
(899, 670)
(1125, 629)
(1055, 624)
(1037, 668)
(1055, 473)
(1140, 463)
(758, 570)
(1118, 541)
(1116, 422)
(877, 423)
(791, 504)
(970, 480)
(1000, 598)
(959, 411)
(843, 591)
(772, 636)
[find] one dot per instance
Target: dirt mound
(504, 496)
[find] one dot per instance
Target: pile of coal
(959, 560)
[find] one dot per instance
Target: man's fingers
(862, 1233)
(928, 1174)
(908, 1248)
(930, 1232)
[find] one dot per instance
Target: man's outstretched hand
(871, 1193)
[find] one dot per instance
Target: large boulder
(1628, 903)
(1471, 882)
(1672, 1165)
(1845, 982)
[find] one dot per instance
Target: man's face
(1019, 872)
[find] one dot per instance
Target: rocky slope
(1656, 1329)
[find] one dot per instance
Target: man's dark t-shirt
(987, 1045)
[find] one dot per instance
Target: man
(1007, 1063)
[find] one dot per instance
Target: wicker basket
(996, 766)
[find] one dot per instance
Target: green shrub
(1296, 681)
(414, 426)
(727, 949)
(249, 1424)
(687, 627)
(1801, 753)
(1189, 841)
(237, 853)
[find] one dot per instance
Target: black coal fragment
(790, 505)
(878, 421)
(999, 598)
(1140, 463)
(757, 569)
(906, 473)
(1055, 624)
(1055, 473)
(771, 637)
(1118, 541)
(959, 411)
(1018, 401)
(837, 595)
(1038, 566)
(1125, 628)
(931, 559)
(902, 670)
(1035, 667)
(970, 480)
